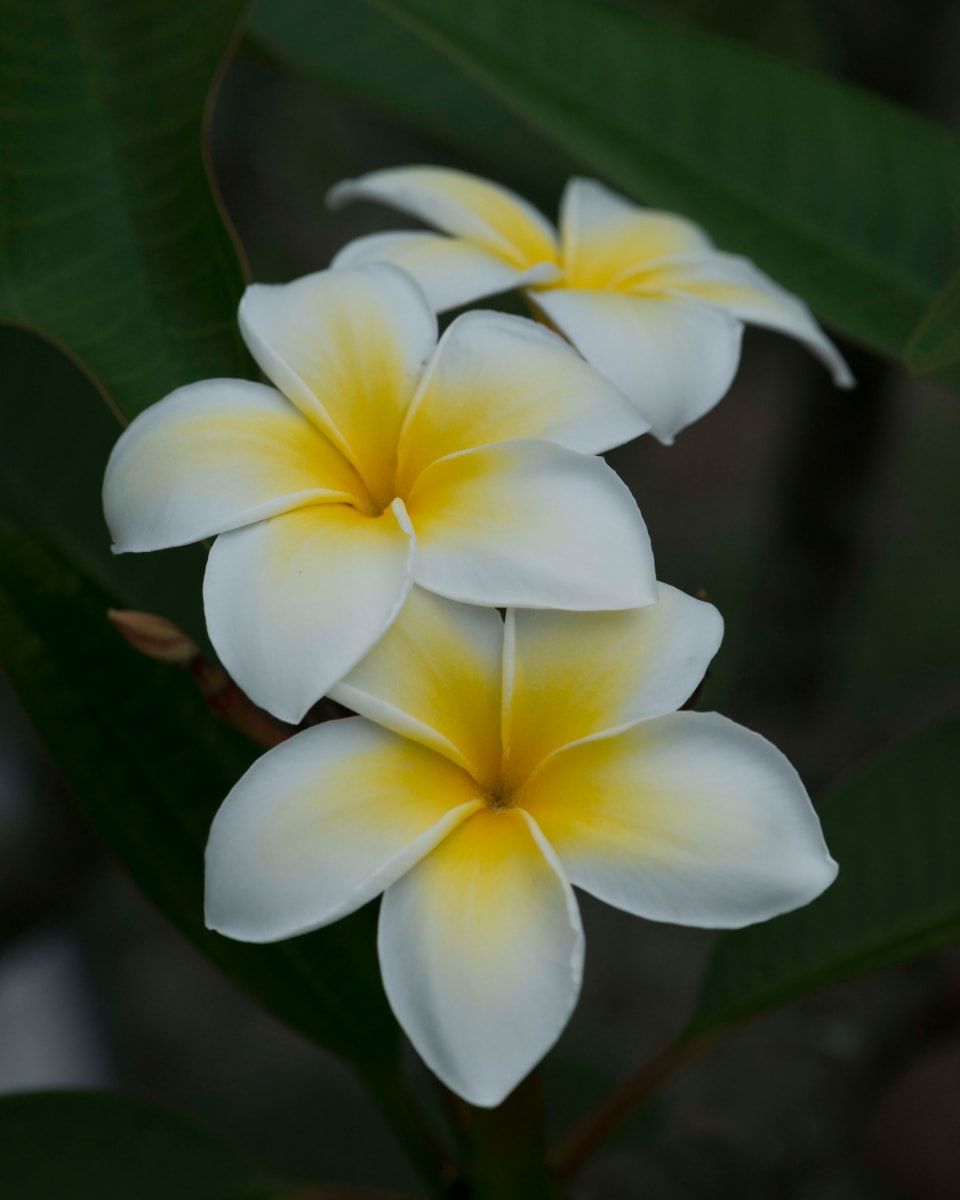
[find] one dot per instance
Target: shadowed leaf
(894, 828)
(934, 345)
(844, 198)
(149, 767)
(101, 1146)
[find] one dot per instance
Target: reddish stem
(160, 639)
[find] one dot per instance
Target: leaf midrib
(913, 288)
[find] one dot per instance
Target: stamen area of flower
(501, 795)
(380, 489)
(370, 507)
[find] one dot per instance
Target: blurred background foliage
(821, 523)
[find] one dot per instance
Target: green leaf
(56, 439)
(935, 343)
(842, 197)
(894, 828)
(113, 242)
(149, 766)
(99, 1146)
(354, 50)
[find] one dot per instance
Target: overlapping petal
(491, 217)
(348, 348)
(214, 456)
(293, 603)
(530, 524)
(322, 824)
(435, 677)
(687, 818)
(607, 245)
(674, 357)
(496, 377)
(737, 285)
(569, 676)
(603, 234)
(451, 271)
(481, 950)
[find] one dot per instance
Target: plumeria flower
(493, 767)
(644, 295)
(384, 458)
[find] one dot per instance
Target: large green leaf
(100, 1146)
(149, 766)
(354, 50)
(894, 828)
(844, 198)
(112, 241)
(358, 53)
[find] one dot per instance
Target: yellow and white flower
(385, 458)
(644, 295)
(493, 767)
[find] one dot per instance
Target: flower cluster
(375, 508)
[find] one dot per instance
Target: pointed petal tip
(484, 1097)
(340, 194)
(844, 378)
(237, 933)
(481, 952)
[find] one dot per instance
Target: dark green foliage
(99, 1146)
(113, 243)
(894, 828)
(842, 197)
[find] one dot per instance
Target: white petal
(214, 456)
(482, 954)
(451, 271)
(603, 234)
(738, 286)
(293, 603)
(569, 676)
(347, 347)
(490, 216)
(533, 525)
(674, 358)
(687, 818)
(435, 677)
(322, 824)
(495, 378)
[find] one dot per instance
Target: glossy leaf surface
(114, 245)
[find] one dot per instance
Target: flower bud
(154, 636)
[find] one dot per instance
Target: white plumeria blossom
(385, 458)
(644, 295)
(494, 767)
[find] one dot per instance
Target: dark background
(823, 524)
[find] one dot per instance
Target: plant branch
(601, 1123)
(160, 639)
(403, 1113)
(506, 1147)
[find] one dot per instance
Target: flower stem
(159, 639)
(400, 1109)
(506, 1148)
(600, 1123)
